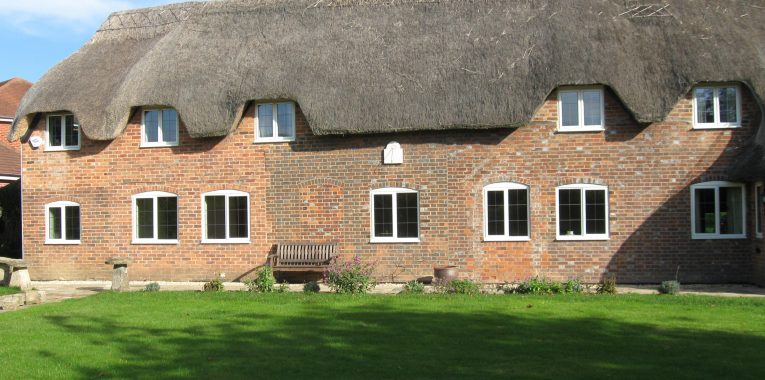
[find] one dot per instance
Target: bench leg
(20, 278)
(5, 275)
(120, 280)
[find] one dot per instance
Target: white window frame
(717, 124)
(584, 235)
(62, 205)
(758, 194)
(274, 126)
(160, 137)
(63, 147)
(155, 240)
(504, 187)
(716, 185)
(580, 127)
(227, 239)
(392, 191)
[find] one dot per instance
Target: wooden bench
(302, 257)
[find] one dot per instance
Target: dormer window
(275, 122)
(580, 110)
(716, 107)
(62, 133)
(159, 128)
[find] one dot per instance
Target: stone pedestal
(120, 279)
(20, 278)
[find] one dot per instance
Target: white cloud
(46, 17)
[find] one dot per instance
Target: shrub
(215, 285)
(539, 285)
(669, 287)
(607, 286)
(264, 282)
(353, 277)
(462, 287)
(311, 287)
(414, 287)
(151, 287)
(283, 287)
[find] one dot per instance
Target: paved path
(57, 291)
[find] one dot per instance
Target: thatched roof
(368, 66)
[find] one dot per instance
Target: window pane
(169, 125)
(167, 218)
(569, 109)
(145, 209)
(406, 212)
(54, 131)
(216, 216)
(383, 215)
(71, 132)
(705, 211)
(570, 211)
(495, 210)
(72, 222)
(151, 125)
(728, 106)
(237, 217)
(595, 201)
(518, 217)
(705, 108)
(265, 120)
(284, 119)
(591, 100)
(731, 216)
(54, 223)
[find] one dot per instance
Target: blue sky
(37, 34)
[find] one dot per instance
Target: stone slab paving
(57, 291)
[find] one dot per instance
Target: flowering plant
(353, 277)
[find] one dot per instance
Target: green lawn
(4, 290)
(293, 336)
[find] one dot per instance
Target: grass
(323, 336)
(5, 290)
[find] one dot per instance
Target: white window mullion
(225, 216)
(584, 212)
(506, 196)
(160, 139)
(580, 106)
(717, 211)
(275, 124)
(394, 215)
(716, 103)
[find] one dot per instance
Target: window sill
(61, 149)
(274, 140)
(394, 240)
(158, 145)
(155, 241)
(225, 241)
(583, 238)
(62, 242)
(718, 237)
(716, 126)
(580, 129)
(506, 238)
(758, 236)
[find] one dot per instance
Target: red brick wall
(317, 189)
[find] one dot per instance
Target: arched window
(395, 215)
(506, 212)
(582, 212)
(718, 210)
(155, 218)
(225, 217)
(62, 223)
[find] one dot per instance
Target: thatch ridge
(372, 66)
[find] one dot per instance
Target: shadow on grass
(377, 342)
